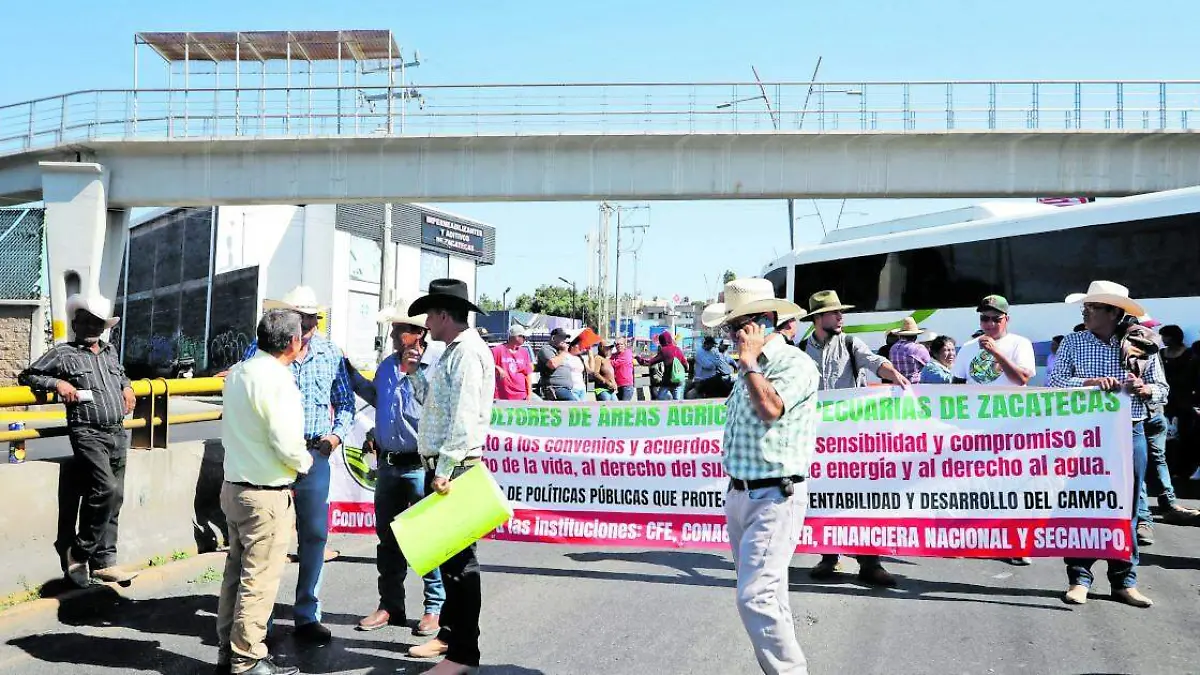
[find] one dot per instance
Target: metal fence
(521, 109)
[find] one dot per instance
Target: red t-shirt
(516, 363)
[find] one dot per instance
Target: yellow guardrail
(151, 414)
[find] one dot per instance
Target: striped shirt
(756, 449)
(457, 398)
(1082, 356)
(98, 372)
(325, 386)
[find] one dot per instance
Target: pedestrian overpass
(92, 155)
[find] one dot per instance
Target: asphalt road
(569, 610)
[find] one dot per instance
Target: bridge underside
(89, 187)
(641, 167)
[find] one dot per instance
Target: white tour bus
(937, 267)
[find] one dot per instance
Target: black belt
(784, 482)
(400, 458)
(252, 486)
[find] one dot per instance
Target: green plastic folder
(437, 527)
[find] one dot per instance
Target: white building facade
(198, 277)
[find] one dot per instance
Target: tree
(488, 304)
(728, 277)
(560, 301)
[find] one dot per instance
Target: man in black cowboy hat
(457, 398)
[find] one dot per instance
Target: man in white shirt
(457, 398)
(262, 429)
(997, 357)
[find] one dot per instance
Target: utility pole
(620, 210)
(602, 269)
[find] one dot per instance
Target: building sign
(452, 236)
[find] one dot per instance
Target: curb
(170, 573)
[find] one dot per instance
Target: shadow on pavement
(1167, 562)
(208, 524)
(689, 563)
(124, 653)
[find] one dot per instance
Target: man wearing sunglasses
(997, 357)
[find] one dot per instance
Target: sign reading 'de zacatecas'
(447, 234)
(934, 471)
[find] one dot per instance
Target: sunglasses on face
(991, 318)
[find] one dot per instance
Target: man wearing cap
(908, 355)
(1093, 358)
(997, 357)
(457, 398)
(401, 479)
(554, 373)
(88, 378)
(513, 368)
(770, 433)
(325, 387)
(840, 358)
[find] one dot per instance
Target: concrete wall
(171, 504)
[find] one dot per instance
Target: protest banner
(932, 471)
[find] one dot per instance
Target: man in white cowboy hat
(514, 368)
(457, 398)
(401, 481)
(770, 433)
(840, 358)
(325, 386)
(88, 377)
(1093, 358)
(908, 355)
(789, 326)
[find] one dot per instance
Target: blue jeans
(669, 392)
(1121, 574)
(398, 488)
(312, 532)
(560, 394)
(625, 393)
(605, 395)
(1158, 475)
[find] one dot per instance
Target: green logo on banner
(356, 464)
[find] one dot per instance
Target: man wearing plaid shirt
(1092, 358)
(770, 431)
(328, 415)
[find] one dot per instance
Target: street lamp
(574, 298)
(504, 298)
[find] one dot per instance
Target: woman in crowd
(937, 371)
(674, 363)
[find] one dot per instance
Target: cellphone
(767, 325)
(85, 395)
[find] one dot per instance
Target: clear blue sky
(55, 46)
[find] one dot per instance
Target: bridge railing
(631, 108)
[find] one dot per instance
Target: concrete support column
(85, 242)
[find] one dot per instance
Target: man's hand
(67, 393)
(1105, 383)
(328, 444)
(902, 380)
(130, 399)
(369, 446)
(410, 360)
(751, 340)
(988, 344)
(441, 485)
(504, 374)
(1137, 387)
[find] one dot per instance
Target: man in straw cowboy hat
(88, 377)
(1093, 358)
(457, 399)
(840, 358)
(401, 481)
(908, 355)
(770, 432)
(325, 387)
